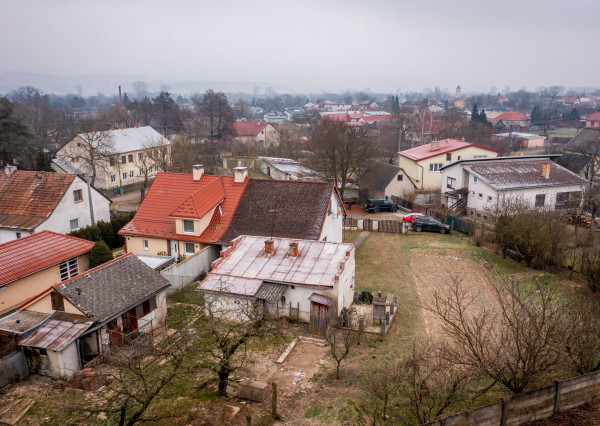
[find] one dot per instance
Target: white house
(37, 201)
(475, 186)
(304, 279)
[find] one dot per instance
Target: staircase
(460, 207)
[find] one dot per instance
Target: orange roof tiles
(511, 116)
(28, 198)
(33, 253)
(249, 128)
(155, 217)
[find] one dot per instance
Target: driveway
(357, 212)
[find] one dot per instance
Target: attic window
(68, 269)
(400, 177)
(188, 226)
(77, 195)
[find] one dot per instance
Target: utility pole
(89, 187)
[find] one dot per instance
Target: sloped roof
(29, 198)
(517, 174)
(574, 162)
(132, 139)
(278, 208)
(245, 265)
(446, 145)
(168, 192)
(379, 175)
(203, 201)
(595, 116)
(112, 288)
(55, 335)
(511, 116)
(66, 165)
(27, 255)
(587, 141)
(249, 128)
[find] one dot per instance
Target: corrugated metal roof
(271, 291)
(55, 335)
(320, 299)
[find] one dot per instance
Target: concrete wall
(184, 273)
(538, 404)
(18, 292)
(334, 221)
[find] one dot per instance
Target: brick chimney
(9, 170)
(435, 145)
(137, 126)
(293, 252)
(240, 174)
(546, 170)
(269, 246)
(197, 171)
(121, 127)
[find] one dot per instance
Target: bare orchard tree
(513, 338)
(341, 342)
(90, 150)
(380, 384)
(340, 152)
(581, 343)
(228, 328)
(140, 371)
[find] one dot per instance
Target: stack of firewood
(582, 219)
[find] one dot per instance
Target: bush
(365, 297)
(100, 254)
(105, 231)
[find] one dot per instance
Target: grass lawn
(349, 235)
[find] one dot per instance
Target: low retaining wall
(538, 404)
(183, 273)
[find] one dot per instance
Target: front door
(319, 319)
(174, 248)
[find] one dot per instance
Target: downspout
(89, 187)
(422, 174)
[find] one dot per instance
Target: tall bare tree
(340, 343)
(340, 152)
(215, 112)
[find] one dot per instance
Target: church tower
(458, 91)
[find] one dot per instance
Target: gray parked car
(431, 224)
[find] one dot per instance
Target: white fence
(183, 273)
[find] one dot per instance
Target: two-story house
(423, 163)
(478, 186)
(120, 156)
(36, 201)
(261, 133)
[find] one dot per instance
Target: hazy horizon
(384, 46)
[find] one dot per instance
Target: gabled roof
(29, 198)
(203, 201)
(511, 116)
(574, 162)
(279, 208)
(587, 141)
(595, 116)
(249, 128)
(67, 166)
(245, 266)
(169, 191)
(379, 175)
(112, 288)
(133, 139)
(517, 174)
(27, 255)
(446, 145)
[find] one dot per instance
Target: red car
(411, 217)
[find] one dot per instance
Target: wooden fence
(417, 208)
(538, 404)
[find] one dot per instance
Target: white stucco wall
(66, 362)
(334, 222)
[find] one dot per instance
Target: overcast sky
(310, 45)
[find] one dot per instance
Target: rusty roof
(244, 266)
(320, 299)
(55, 335)
(28, 198)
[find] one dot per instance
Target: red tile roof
(595, 116)
(28, 198)
(511, 116)
(27, 255)
(171, 191)
(249, 128)
(446, 145)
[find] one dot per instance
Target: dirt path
(360, 238)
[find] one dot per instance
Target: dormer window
(188, 226)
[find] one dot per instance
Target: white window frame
(68, 269)
(435, 167)
(131, 174)
(474, 179)
(124, 175)
(187, 252)
(71, 224)
(113, 178)
(193, 226)
(451, 182)
(146, 244)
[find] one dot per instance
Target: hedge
(105, 231)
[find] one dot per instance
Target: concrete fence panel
(183, 273)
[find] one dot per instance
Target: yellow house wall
(18, 292)
(412, 169)
(433, 180)
(200, 225)
(155, 245)
(44, 304)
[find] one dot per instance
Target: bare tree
(340, 343)
(91, 149)
(215, 112)
(340, 151)
(513, 339)
(581, 343)
(380, 384)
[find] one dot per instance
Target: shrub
(100, 254)
(105, 231)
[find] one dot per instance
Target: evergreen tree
(536, 115)
(16, 142)
(126, 99)
(482, 116)
(100, 254)
(475, 112)
(42, 162)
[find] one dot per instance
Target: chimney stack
(197, 171)
(9, 170)
(137, 126)
(269, 246)
(240, 174)
(435, 145)
(293, 250)
(546, 170)
(120, 97)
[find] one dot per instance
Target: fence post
(504, 417)
(557, 386)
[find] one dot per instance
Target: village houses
(36, 201)
(116, 157)
(261, 133)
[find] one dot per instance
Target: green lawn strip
(349, 235)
